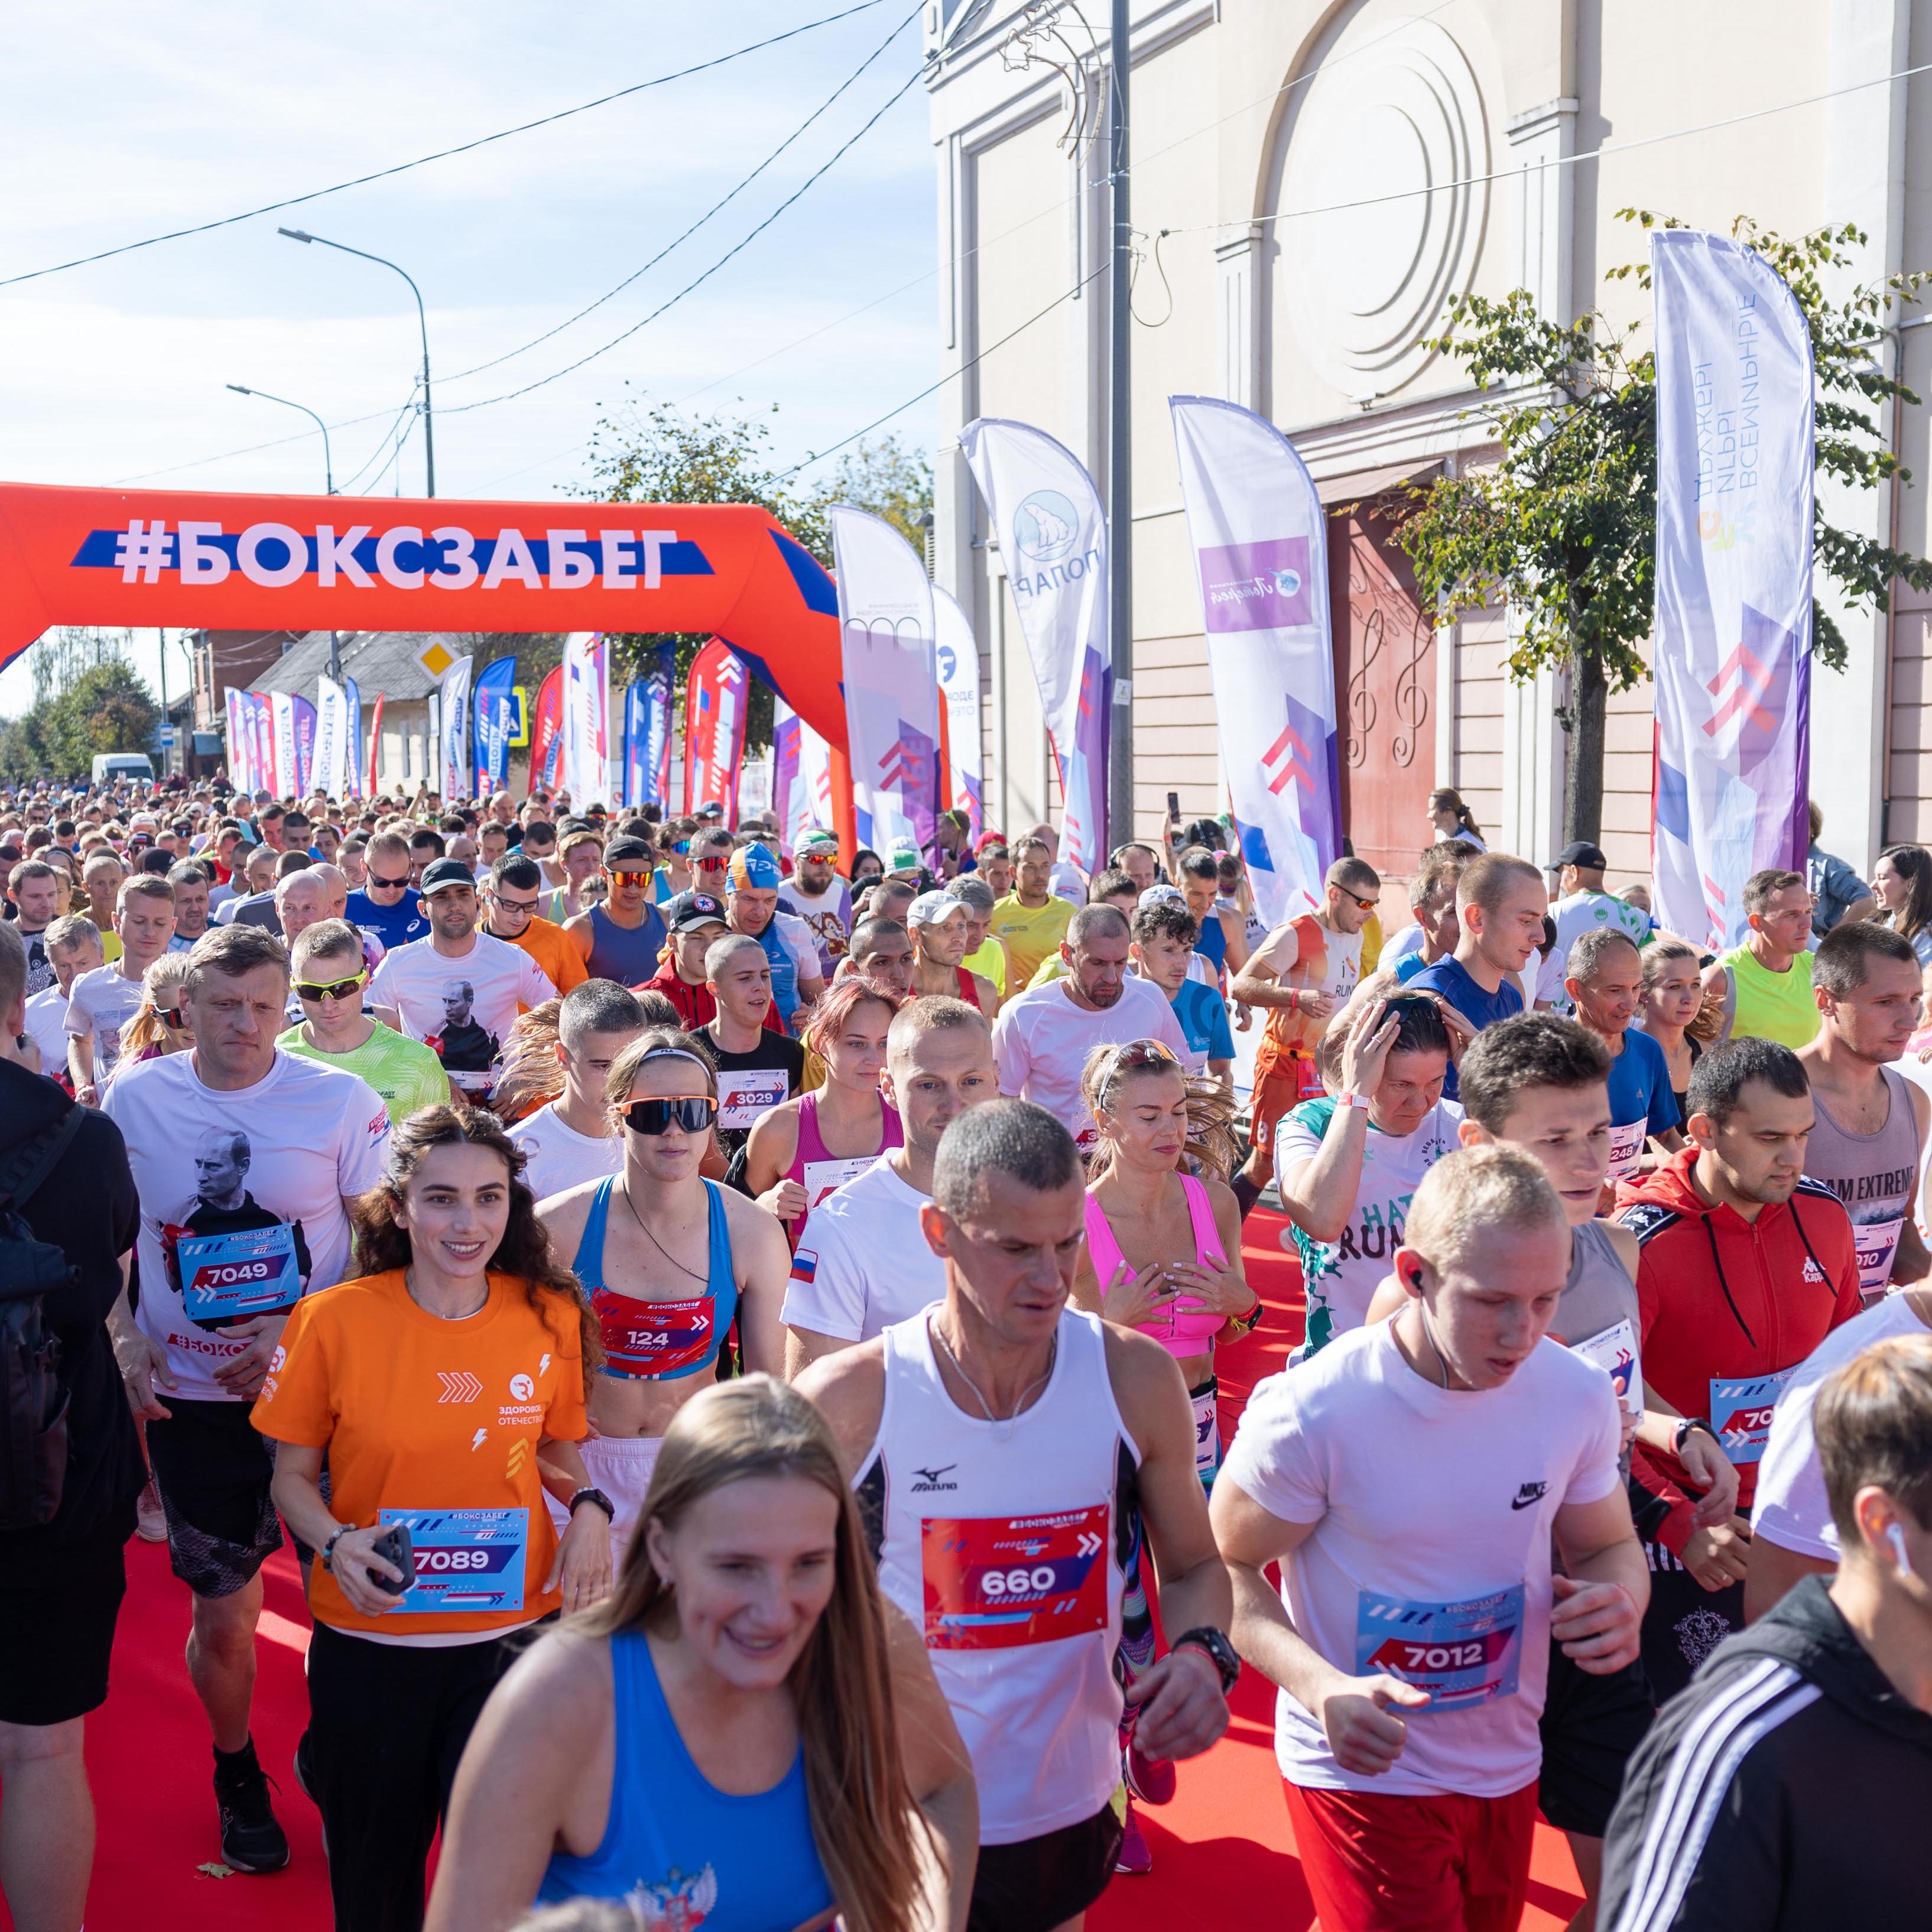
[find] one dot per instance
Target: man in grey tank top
(622, 939)
(1869, 1133)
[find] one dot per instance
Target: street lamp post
(422, 321)
(327, 478)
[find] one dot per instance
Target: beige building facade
(1311, 184)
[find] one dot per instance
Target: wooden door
(1385, 690)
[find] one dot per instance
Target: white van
(109, 767)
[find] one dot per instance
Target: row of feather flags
(1731, 649)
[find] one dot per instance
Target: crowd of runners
(732, 1339)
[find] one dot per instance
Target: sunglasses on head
(693, 1113)
(1143, 1053)
(336, 989)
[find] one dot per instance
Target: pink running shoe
(1151, 1780)
(1133, 1858)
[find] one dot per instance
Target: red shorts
(1280, 1083)
(1446, 1863)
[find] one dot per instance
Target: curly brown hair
(524, 1252)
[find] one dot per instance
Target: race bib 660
(994, 1582)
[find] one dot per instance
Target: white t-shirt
(46, 1026)
(1041, 1041)
(1580, 913)
(1342, 1275)
(557, 1157)
(1066, 881)
(465, 1030)
(99, 1004)
(1791, 1508)
(287, 1148)
(1425, 1499)
(863, 1263)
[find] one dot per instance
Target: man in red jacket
(1745, 1268)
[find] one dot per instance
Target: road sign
(520, 718)
(436, 657)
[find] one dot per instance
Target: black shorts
(213, 1468)
(58, 1602)
(1684, 1623)
(1590, 1725)
(1041, 1883)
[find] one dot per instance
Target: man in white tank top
(1410, 1480)
(1870, 1129)
(997, 1441)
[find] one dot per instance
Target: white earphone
(1895, 1536)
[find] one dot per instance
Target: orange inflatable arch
(221, 561)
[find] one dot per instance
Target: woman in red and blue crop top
(668, 1259)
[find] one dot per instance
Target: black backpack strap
(33, 1159)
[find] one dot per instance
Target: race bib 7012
(994, 1582)
(1461, 1654)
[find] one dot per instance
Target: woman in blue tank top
(739, 1737)
(669, 1260)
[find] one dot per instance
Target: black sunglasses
(693, 1113)
(376, 879)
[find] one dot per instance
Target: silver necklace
(1003, 1425)
(409, 1287)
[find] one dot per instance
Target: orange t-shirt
(553, 949)
(422, 1415)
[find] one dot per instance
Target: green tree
(1563, 527)
(105, 708)
(654, 453)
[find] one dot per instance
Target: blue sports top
(677, 1849)
(657, 1341)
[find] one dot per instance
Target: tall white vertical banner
(332, 737)
(957, 651)
(1052, 535)
(282, 726)
(587, 744)
(240, 741)
(453, 731)
(1260, 556)
(891, 682)
(1734, 534)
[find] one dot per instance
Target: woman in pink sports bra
(1157, 1258)
(805, 1148)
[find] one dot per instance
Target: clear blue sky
(120, 122)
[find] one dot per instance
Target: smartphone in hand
(394, 1546)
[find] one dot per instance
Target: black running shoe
(251, 1840)
(305, 1763)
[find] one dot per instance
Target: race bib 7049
(234, 1277)
(995, 1582)
(1461, 1654)
(466, 1559)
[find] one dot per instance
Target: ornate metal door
(1385, 689)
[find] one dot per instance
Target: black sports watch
(598, 1497)
(1220, 1652)
(1684, 1429)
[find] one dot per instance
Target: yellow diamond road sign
(436, 657)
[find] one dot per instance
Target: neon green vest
(1773, 1006)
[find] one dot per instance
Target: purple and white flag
(1733, 633)
(458, 773)
(588, 741)
(1052, 535)
(892, 683)
(332, 760)
(958, 652)
(1261, 556)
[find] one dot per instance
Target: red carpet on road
(1223, 1853)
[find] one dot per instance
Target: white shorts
(621, 1466)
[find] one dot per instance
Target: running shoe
(151, 1520)
(1151, 1780)
(1133, 1858)
(304, 1768)
(251, 1839)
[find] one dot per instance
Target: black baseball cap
(628, 851)
(1581, 852)
(690, 911)
(441, 872)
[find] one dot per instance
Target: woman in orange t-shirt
(446, 1387)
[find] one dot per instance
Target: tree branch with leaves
(1562, 527)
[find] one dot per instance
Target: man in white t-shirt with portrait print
(459, 990)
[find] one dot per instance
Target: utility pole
(1120, 445)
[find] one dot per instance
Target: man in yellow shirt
(1031, 921)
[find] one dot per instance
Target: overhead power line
(442, 153)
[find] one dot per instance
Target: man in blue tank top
(622, 939)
